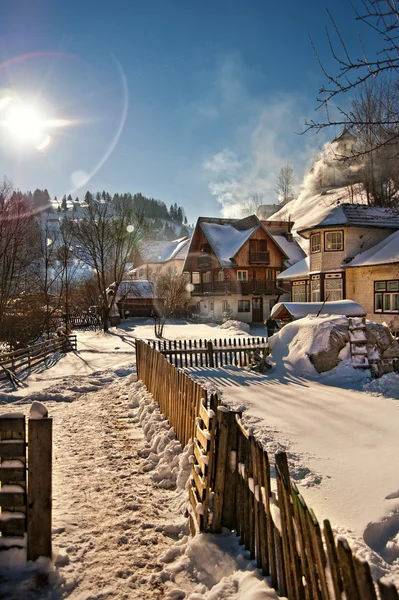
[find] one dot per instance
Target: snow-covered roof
(299, 269)
(226, 240)
(358, 215)
(162, 251)
(291, 248)
(386, 252)
(299, 310)
(136, 289)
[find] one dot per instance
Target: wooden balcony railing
(236, 287)
(259, 257)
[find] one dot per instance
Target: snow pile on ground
(235, 326)
(387, 385)
(312, 343)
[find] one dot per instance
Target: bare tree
(286, 183)
(172, 295)
(104, 239)
(252, 204)
(381, 18)
(18, 231)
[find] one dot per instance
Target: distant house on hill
(153, 257)
(354, 254)
(234, 263)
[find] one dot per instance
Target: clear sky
(187, 101)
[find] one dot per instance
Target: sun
(24, 125)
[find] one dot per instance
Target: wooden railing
(208, 353)
(259, 257)
(303, 560)
(31, 356)
(236, 287)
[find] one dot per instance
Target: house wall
(276, 260)
(149, 270)
(356, 240)
(217, 313)
(360, 288)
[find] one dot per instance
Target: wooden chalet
(233, 265)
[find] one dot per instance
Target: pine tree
(64, 203)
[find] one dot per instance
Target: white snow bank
(296, 341)
(387, 385)
(237, 326)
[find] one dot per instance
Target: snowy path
(119, 529)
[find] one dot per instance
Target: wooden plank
(12, 474)
(200, 456)
(387, 590)
(192, 493)
(199, 482)
(221, 458)
(39, 488)
(12, 495)
(364, 579)
(348, 570)
(333, 559)
(12, 449)
(204, 414)
(12, 524)
(12, 422)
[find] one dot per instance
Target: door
(257, 310)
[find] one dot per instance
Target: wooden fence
(85, 320)
(230, 486)
(208, 353)
(25, 502)
(26, 358)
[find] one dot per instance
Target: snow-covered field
(119, 528)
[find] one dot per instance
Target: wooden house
(234, 263)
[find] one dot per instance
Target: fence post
(210, 353)
(39, 487)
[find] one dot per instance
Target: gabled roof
(163, 251)
(291, 248)
(386, 252)
(227, 236)
(357, 215)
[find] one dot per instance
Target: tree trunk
(106, 312)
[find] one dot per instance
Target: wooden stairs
(358, 343)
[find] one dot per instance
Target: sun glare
(25, 126)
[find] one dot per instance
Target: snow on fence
(85, 320)
(25, 493)
(230, 486)
(208, 353)
(26, 358)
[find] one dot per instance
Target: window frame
(242, 271)
(312, 237)
(337, 231)
(242, 303)
(385, 297)
(327, 293)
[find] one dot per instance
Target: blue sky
(189, 101)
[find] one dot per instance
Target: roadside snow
(238, 327)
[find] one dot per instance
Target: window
(315, 288)
(225, 306)
(207, 276)
(221, 275)
(333, 288)
(243, 305)
(315, 242)
(242, 275)
(269, 274)
(299, 291)
(333, 240)
(386, 296)
(211, 305)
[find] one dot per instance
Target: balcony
(204, 261)
(262, 258)
(236, 287)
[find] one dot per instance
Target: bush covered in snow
(239, 326)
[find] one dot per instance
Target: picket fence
(209, 353)
(230, 486)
